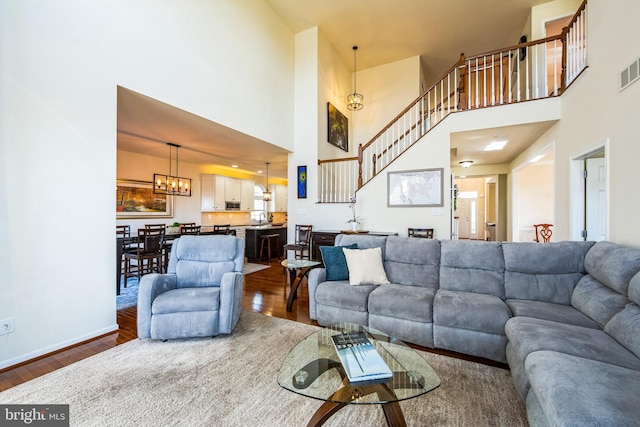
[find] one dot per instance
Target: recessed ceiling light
(260, 171)
(234, 166)
(536, 158)
(496, 145)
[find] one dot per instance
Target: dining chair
(148, 255)
(425, 233)
(155, 226)
(543, 231)
(222, 229)
(302, 245)
(189, 229)
(123, 231)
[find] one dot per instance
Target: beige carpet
(250, 267)
(232, 381)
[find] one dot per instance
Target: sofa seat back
(469, 266)
(603, 291)
(411, 261)
(543, 272)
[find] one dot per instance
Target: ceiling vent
(630, 74)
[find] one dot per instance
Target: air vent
(630, 74)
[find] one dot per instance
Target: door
(464, 218)
(595, 199)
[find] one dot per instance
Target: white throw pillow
(365, 266)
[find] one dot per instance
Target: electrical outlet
(7, 326)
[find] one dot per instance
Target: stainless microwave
(232, 206)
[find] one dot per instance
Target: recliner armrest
(316, 276)
(151, 285)
(230, 301)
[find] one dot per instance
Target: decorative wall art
(415, 188)
(135, 199)
(302, 182)
(338, 128)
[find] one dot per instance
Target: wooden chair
(302, 246)
(148, 256)
(543, 231)
(425, 233)
(123, 231)
(222, 229)
(269, 240)
(189, 229)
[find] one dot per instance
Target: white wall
(61, 64)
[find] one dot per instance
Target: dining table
(124, 242)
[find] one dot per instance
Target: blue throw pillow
(334, 261)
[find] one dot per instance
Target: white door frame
(576, 187)
(515, 190)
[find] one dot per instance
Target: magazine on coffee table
(360, 359)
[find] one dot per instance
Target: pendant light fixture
(266, 196)
(171, 184)
(355, 99)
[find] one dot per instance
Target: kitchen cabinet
(212, 193)
(280, 198)
(232, 189)
(247, 196)
(253, 240)
(215, 190)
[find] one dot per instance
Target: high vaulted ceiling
(385, 31)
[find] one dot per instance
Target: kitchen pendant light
(355, 99)
(171, 184)
(266, 195)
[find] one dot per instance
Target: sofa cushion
(596, 300)
(334, 262)
(634, 289)
(416, 302)
(187, 299)
(467, 310)
(341, 294)
(550, 311)
(625, 328)
(365, 266)
(613, 265)
(574, 391)
(543, 272)
(414, 262)
(363, 241)
(470, 266)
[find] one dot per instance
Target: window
(259, 206)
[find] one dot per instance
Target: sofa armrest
(316, 276)
(151, 285)
(230, 301)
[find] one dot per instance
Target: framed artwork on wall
(416, 188)
(135, 199)
(337, 128)
(302, 182)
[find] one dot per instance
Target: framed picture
(338, 128)
(302, 182)
(416, 188)
(135, 199)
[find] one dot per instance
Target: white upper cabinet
(280, 198)
(232, 190)
(247, 195)
(210, 192)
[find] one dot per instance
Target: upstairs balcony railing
(527, 71)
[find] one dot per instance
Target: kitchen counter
(253, 239)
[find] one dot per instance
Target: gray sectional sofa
(565, 316)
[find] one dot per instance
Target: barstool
(268, 239)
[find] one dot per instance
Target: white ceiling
(385, 31)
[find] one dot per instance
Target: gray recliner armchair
(201, 293)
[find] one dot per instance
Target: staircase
(524, 72)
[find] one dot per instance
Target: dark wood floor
(264, 292)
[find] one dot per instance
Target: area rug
(129, 296)
(232, 381)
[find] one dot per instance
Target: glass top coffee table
(313, 369)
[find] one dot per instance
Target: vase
(354, 226)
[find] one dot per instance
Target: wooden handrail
(342, 159)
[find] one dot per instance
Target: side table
(302, 268)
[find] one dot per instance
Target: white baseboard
(41, 352)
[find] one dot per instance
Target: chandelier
(171, 184)
(266, 196)
(355, 99)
